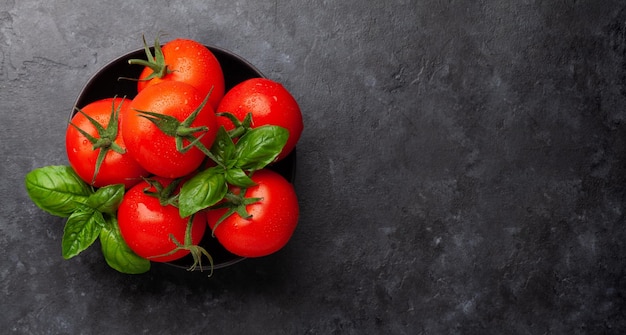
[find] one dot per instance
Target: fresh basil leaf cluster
(254, 150)
(90, 215)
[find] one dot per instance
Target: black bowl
(108, 82)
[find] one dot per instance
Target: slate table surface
(462, 169)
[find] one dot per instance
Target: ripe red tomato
(272, 222)
(269, 102)
(117, 167)
(190, 62)
(153, 148)
(146, 225)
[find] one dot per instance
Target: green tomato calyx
(105, 140)
(155, 62)
(181, 131)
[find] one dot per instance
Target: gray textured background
(462, 169)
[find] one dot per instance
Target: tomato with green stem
(259, 220)
(151, 226)
(268, 103)
(186, 61)
(169, 128)
(95, 148)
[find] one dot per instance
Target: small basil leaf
(203, 190)
(238, 177)
(260, 146)
(223, 147)
(57, 190)
(81, 230)
(117, 253)
(107, 198)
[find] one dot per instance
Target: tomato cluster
(181, 159)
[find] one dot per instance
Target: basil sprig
(90, 215)
(254, 150)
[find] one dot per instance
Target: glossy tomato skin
(269, 102)
(273, 221)
(193, 63)
(116, 168)
(146, 225)
(150, 146)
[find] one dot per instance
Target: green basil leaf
(203, 190)
(81, 230)
(107, 198)
(260, 146)
(223, 147)
(57, 190)
(117, 253)
(238, 177)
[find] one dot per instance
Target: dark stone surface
(462, 170)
